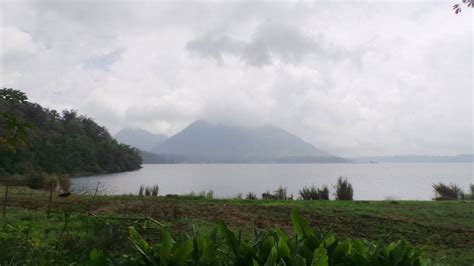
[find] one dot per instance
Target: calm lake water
(406, 181)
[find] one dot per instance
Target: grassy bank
(445, 229)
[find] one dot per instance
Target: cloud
(365, 78)
(271, 41)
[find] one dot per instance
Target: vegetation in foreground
(78, 225)
(221, 246)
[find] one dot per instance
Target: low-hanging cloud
(270, 42)
(365, 78)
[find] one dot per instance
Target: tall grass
(344, 190)
(314, 193)
(447, 192)
(154, 190)
(279, 194)
(149, 191)
(251, 196)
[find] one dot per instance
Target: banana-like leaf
(320, 257)
(300, 225)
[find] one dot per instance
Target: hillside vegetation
(56, 143)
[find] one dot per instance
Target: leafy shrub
(279, 194)
(447, 192)
(251, 196)
(154, 190)
(344, 190)
(36, 181)
(200, 195)
(149, 191)
(309, 246)
(314, 193)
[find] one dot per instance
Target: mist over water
(404, 181)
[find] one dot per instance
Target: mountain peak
(139, 138)
(202, 141)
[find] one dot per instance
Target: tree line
(35, 140)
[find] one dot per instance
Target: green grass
(441, 228)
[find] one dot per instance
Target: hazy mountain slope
(462, 158)
(139, 138)
(205, 142)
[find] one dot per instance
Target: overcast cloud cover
(351, 77)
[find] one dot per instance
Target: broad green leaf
(230, 238)
(283, 249)
(97, 258)
(137, 239)
(165, 246)
(320, 257)
(300, 225)
(183, 252)
(272, 258)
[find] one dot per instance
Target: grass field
(445, 229)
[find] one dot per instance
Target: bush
(154, 190)
(344, 190)
(149, 191)
(314, 193)
(279, 194)
(445, 192)
(324, 193)
(251, 196)
(36, 181)
(308, 246)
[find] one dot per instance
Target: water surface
(407, 181)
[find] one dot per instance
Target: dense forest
(34, 139)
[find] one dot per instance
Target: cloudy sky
(351, 77)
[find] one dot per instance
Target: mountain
(139, 138)
(462, 158)
(203, 142)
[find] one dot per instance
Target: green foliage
(279, 194)
(447, 192)
(222, 246)
(344, 190)
(35, 139)
(149, 191)
(251, 196)
(13, 131)
(314, 193)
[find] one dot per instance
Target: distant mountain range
(203, 142)
(139, 138)
(463, 158)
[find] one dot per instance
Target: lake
(405, 181)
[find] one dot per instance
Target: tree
(457, 7)
(59, 143)
(13, 131)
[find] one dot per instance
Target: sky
(354, 78)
